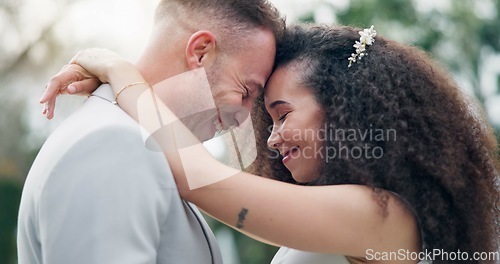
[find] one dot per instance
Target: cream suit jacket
(96, 195)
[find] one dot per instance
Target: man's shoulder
(98, 132)
(97, 117)
(97, 113)
(98, 126)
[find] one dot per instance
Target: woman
(386, 156)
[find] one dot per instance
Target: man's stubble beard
(201, 124)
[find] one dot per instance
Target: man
(95, 194)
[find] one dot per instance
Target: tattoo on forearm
(241, 218)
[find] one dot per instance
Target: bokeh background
(39, 36)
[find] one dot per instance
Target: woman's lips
(289, 155)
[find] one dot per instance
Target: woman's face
(297, 124)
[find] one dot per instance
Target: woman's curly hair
(444, 158)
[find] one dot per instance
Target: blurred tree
(28, 43)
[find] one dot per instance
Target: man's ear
(200, 45)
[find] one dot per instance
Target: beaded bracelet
(125, 87)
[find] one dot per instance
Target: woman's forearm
(199, 177)
(122, 74)
(188, 158)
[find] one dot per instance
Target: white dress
(292, 256)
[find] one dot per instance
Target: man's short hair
(232, 19)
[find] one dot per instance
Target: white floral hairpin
(367, 38)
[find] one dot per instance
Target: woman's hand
(71, 79)
(100, 62)
(85, 72)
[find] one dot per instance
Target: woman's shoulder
(392, 220)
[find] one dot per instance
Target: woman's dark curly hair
(443, 160)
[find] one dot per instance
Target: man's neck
(156, 70)
(164, 57)
(157, 65)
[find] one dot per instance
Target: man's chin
(202, 137)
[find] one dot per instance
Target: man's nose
(242, 114)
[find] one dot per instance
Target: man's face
(237, 79)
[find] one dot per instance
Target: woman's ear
(200, 45)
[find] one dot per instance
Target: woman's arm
(343, 219)
(72, 79)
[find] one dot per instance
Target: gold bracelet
(125, 87)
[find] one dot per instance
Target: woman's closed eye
(283, 117)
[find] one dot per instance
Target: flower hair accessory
(367, 38)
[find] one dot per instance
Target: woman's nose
(275, 139)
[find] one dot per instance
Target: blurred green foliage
(10, 196)
(249, 250)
